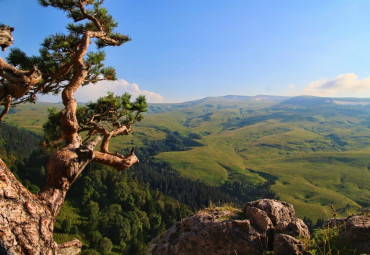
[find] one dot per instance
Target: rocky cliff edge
(263, 226)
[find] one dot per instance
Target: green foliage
(110, 112)
(67, 225)
(18, 58)
(315, 151)
(95, 62)
(16, 144)
(89, 252)
(94, 9)
(57, 55)
(315, 155)
(33, 188)
(327, 241)
(118, 208)
(52, 128)
(30, 116)
(105, 246)
(114, 110)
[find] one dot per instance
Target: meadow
(315, 151)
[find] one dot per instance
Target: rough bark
(117, 161)
(6, 38)
(97, 128)
(107, 136)
(26, 225)
(15, 83)
(6, 104)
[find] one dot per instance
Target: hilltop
(312, 150)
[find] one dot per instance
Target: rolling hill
(314, 150)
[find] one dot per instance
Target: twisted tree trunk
(26, 224)
(27, 220)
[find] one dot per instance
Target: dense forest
(117, 213)
(16, 144)
(121, 212)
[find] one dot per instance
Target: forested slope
(108, 210)
(119, 212)
(309, 151)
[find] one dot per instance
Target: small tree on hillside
(64, 64)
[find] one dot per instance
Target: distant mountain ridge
(314, 151)
(314, 148)
(155, 108)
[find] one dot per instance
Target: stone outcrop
(295, 227)
(277, 211)
(287, 245)
(262, 225)
(356, 231)
(209, 232)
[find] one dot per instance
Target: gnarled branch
(6, 38)
(15, 83)
(117, 161)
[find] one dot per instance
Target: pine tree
(63, 65)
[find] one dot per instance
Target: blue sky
(184, 50)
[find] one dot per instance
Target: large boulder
(296, 228)
(288, 245)
(277, 223)
(259, 218)
(267, 225)
(356, 231)
(215, 231)
(276, 210)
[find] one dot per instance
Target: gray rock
(209, 232)
(270, 225)
(288, 245)
(277, 211)
(258, 218)
(333, 222)
(356, 231)
(296, 228)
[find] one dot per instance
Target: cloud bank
(93, 91)
(342, 85)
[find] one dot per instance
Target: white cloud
(291, 86)
(93, 91)
(342, 85)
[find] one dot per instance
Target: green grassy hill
(315, 150)
(30, 116)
